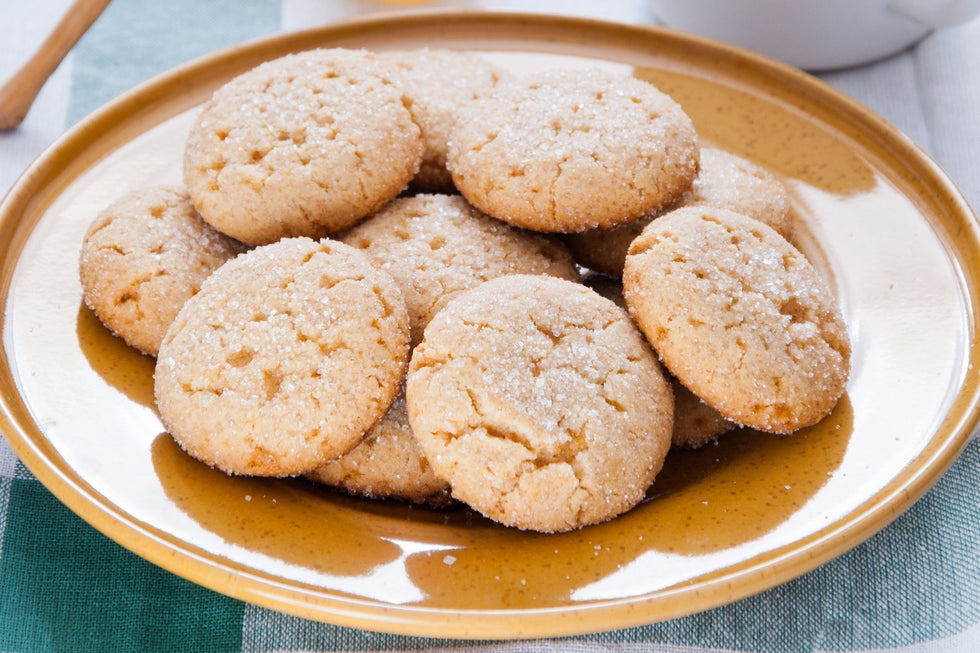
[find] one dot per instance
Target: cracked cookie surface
(142, 257)
(303, 145)
(436, 246)
(284, 359)
(572, 150)
(540, 402)
(739, 316)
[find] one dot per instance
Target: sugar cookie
(142, 257)
(540, 402)
(303, 145)
(284, 359)
(695, 422)
(739, 316)
(572, 150)
(387, 464)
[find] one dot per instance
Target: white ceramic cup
(817, 34)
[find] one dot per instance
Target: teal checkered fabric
(66, 587)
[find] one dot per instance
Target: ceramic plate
(895, 239)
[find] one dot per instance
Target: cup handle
(937, 14)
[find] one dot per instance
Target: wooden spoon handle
(18, 93)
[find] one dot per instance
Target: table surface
(913, 587)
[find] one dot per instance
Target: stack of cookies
(412, 275)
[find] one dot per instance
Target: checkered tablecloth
(914, 587)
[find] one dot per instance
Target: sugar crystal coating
(739, 316)
(572, 150)
(540, 402)
(284, 359)
(142, 257)
(303, 145)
